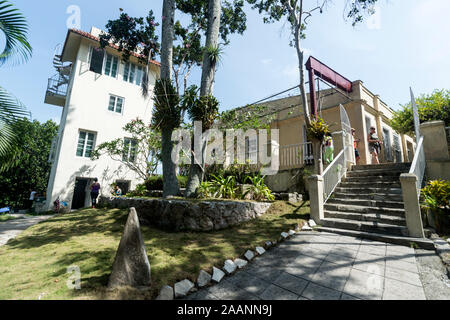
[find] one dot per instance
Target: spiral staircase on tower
(58, 84)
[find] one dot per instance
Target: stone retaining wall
(183, 215)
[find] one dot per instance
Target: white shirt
(32, 195)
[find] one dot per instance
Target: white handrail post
(315, 183)
(412, 206)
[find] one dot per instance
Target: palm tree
(17, 49)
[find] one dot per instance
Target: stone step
(426, 244)
(370, 190)
(365, 226)
(364, 209)
(373, 179)
(370, 185)
(384, 166)
(375, 173)
(368, 196)
(385, 219)
(367, 203)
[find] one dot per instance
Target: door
(79, 193)
(124, 186)
(397, 149)
(387, 145)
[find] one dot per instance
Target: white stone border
(186, 287)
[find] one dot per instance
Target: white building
(99, 94)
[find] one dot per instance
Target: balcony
(57, 90)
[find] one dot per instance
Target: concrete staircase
(369, 204)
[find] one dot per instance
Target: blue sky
(405, 44)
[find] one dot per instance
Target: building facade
(99, 93)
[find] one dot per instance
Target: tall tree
(32, 168)
(210, 58)
(297, 13)
(17, 49)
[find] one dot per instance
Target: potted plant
(436, 197)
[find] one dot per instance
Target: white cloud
(266, 61)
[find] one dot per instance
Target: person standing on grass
(95, 190)
(355, 143)
(374, 145)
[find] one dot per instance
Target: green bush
(258, 189)
(182, 181)
(436, 195)
(157, 183)
(140, 191)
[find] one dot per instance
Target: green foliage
(14, 27)
(435, 106)
(224, 187)
(140, 191)
(238, 171)
(157, 183)
(249, 117)
(436, 195)
(130, 34)
(141, 152)
(214, 55)
(205, 190)
(204, 108)
(167, 110)
(182, 181)
(318, 130)
(31, 168)
(258, 189)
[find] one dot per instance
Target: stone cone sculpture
(131, 266)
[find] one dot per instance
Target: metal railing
(419, 164)
(332, 176)
(296, 156)
(58, 85)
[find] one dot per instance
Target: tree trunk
(212, 39)
(318, 161)
(170, 180)
(208, 72)
(168, 18)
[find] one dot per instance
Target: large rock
(217, 275)
(131, 266)
(260, 251)
(240, 263)
(182, 288)
(166, 293)
(204, 278)
(249, 255)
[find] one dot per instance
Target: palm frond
(15, 28)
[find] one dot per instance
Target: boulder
(229, 267)
(260, 251)
(204, 278)
(131, 266)
(166, 293)
(284, 235)
(291, 232)
(217, 275)
(240, 263)
(249, 255)
(312, 223)
(183, 288)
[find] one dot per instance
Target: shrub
(258, 189)
(436, 195)
(182, 181)
(224, 187)
(141, 191)
(157, 183)
(205, 190)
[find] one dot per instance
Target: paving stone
(405, 257)
(202, 295)
(392, 248)
(274, 292)
(331, 275)
(365, 257)
(249, 283)
(291, 283)
(229, 267)
(397, 290)
(227, 291)
(204, 279)
(317, 292)
(340, 260)
(404, 276)
(182, 288)
(370, 267)
(348, 297)
(364, 285)
(217, 275)
(313, 252)
(399, 264)
(249, 255)
(166, 293)
(260, 251)
(373, 249)
(344, 251)
(240, 263)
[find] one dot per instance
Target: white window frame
(136, 72)
(115, 104)
(112, 62)
(129, 150)
(85, 142)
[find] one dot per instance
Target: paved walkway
(324, 266)
(11, 229)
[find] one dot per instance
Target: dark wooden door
(79, 194)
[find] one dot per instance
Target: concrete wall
(87, 109)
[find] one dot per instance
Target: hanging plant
(318, 130)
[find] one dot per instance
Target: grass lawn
(6, 217)
(35, 263)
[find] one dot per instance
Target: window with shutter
(97, 56)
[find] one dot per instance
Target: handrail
(331, 179)
(332, 164)
(419, 164)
